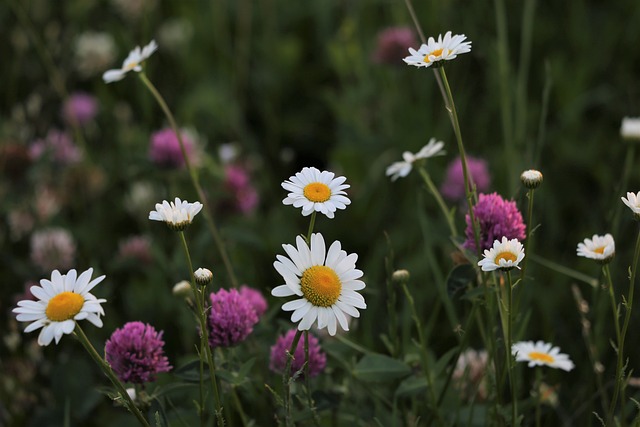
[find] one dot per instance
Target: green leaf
(459, 278)
(378, 368)
(412, 386)
(190, 372)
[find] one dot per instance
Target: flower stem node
(400, 277)
(531, 178)
(203, 276)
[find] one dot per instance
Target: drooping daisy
(504, 255)
(177, 214)
(541, 354)
(630, 128)
(600, 248)
(434, 52)
(132, 62)
(61, 302)
(633, 202)
(402, 169)
(313, 190)
(326, 281)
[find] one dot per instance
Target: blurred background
(263, 88)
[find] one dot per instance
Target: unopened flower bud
(182, 289)
(400, 276)
(531, 178)
(630, 128)
(203, 276)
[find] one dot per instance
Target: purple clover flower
(497, 218)
(453, 186)
(317, 358)
(164, 149)
(231, 318)
(256, 299)
(58, 145)
(80, 108)
(136, 353)
(392, 45)
(238, 181)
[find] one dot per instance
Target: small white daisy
(432, 53)
(177, 214)
(402, 169)
(630, 128)
(503, 255)
(326, 281)
(61, 302)
(633, 202)
(541, 354)
(599, 248)
(132, 62)
(313, 190)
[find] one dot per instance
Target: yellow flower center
(437, 53)
(507, 256)
(599, 250)
(131, 65)
(64, 306)
(543, 357)
(320, 286)
(317, 192)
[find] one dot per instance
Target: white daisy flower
(630, 128)
(541, 354)
(503, 255)
(132, 62)
(61, 302)
(326, 281)
(402, 169)
(633, 202)
(313, 190)
(177, 214)
(600, 248)
(432, 53)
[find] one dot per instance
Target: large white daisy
(432, 53)
(132, 62)
(402, 169)
(600, 248)
(326, 281)
(313, 190)
(504, 255)
(541, 354)
(61, 302)
(177, 214)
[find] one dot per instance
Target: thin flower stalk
(128, 402)
(198, 296)
(194, 179)
(439, 200)
(529, 230)
(509, 360)
(619, 388)
(629, 160)
(286, 378)
(431, 397)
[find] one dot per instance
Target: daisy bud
(531, 178)
(203, 276)
(400, 276)
(630, 128)
(182, 289)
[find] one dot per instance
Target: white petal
(282, 291)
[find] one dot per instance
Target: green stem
(626, 172)
(529, 229)
(311, 225)
(194, 180)
(616, 323)
(238, 404)
(619, 387)
(439, 200)
(286, 378)
(198, 296)
(469, 188)
(202, 404)
(512, 380)
(106, 368)
(423, 355)
(539, 396)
